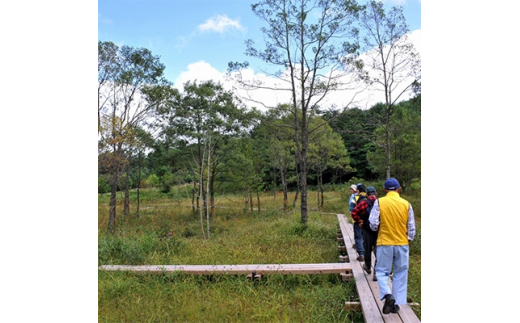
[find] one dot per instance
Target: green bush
(103, 185)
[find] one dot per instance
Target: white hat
(354, 187)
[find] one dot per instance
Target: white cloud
(203, 71)
(415, 36)
(199, 71)
(220, 24)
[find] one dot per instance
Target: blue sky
(196, 38)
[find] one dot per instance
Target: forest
(206, 139)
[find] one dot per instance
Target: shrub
(103, 185)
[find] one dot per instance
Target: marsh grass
(167, 232)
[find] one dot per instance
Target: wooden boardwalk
(368, 290)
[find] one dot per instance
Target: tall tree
(277, 131)
(405, 142)
(309, 41)
(393, 64)
(204, 117)
(135, 75)
(326, 150)
(108, 66)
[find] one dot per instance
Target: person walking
(358, 231)
(394, 218)
(361, 213)
(352, 204)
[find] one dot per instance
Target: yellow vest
(393, 220)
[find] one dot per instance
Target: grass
(167, 232)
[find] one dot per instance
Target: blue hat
(371, 190)
(391, 184)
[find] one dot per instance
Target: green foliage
(152, 181)
(405, 144)
(172, 297)
(356, 128)
(140, 250)
(103, 185)
(415, 244)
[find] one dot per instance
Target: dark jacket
(360, 214)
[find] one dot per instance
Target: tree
(108, 66)
(356, 127)
(326, 150)
(308, 41)
(205, 116)
(405, 142)
(243, 168)
(393, 63)
(133, 77)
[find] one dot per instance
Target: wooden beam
(343, 259)
(353, 306)
(346, 276)
(286, 269)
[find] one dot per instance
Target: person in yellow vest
(394, 218)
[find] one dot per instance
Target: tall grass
(167, 232)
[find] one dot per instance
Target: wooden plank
(407, 314)
(286, 269)
(374, 287)
(371, 311)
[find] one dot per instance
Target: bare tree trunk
(387, 142)
(212, 191)
(297, 183)
(193, 191)
(127, 196)
(116, 164)
(112, 223)
(274, 184)
(138, 184)
(284, 187)
(321, 189)
(303, 168)
(251, 200)
(207, 187)
(201, 210)
(258, 200)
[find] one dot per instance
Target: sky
(196, 39)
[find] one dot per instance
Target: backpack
(365, 215)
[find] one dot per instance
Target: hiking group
(385, 225)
